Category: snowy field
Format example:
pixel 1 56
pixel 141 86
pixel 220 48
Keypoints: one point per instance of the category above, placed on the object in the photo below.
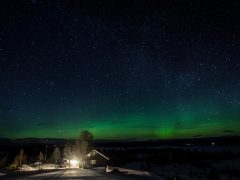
pixel 225 170
pixel 81 174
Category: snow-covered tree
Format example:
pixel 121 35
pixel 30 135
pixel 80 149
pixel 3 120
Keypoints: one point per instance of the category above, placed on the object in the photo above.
pixel 40 157
pixel 20 156
pixel 67 152
pixel 80 148
pixel 56 155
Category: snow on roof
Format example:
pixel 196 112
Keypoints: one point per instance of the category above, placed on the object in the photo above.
pixel 98 153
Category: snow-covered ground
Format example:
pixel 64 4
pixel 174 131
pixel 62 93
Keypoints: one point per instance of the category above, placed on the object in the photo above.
pixel 186 172
pixel 48 166
pixel 2 174
pixel 224 169
pixel 69 174
pixel 26 167
pixel 35 167
pixel 132 170
pixel 128 171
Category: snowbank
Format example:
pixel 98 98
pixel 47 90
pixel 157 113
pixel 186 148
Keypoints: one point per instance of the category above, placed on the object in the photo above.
pixel 26 167
pixel 48 166
pixel 128 171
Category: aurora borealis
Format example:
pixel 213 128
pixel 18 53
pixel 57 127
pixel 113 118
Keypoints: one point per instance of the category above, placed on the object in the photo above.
pixel 120 69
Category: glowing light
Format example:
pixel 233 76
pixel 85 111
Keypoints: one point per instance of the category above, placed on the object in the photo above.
pixel 74 163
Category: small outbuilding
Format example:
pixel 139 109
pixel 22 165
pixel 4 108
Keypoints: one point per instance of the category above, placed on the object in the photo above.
pixel 96 159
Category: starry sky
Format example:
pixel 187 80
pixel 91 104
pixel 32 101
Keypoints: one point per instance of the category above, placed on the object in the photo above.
pixel 120 69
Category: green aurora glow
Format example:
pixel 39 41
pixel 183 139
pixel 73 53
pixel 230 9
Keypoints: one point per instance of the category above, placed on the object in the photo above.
pixel 178 123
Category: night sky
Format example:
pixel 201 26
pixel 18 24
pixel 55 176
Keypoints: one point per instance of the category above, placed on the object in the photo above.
pixel 120 69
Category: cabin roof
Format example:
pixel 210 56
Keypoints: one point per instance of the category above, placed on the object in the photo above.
pixel 98 153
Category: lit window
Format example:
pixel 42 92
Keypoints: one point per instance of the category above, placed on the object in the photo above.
pixel 93 161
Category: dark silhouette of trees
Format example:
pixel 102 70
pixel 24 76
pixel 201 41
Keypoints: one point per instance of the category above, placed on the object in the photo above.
pixel 86 136
pixel 3 161
pixel 213 175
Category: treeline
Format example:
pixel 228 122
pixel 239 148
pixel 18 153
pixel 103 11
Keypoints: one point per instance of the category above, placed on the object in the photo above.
pixel 15 157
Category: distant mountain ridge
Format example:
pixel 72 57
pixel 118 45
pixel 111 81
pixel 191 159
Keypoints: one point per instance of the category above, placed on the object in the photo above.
pixel 222 140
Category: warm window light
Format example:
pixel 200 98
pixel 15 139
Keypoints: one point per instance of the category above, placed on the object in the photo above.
pixel 74 163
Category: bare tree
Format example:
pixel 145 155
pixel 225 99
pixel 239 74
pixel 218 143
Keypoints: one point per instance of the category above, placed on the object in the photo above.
pixel 20 157
pixel 16 161
pixel 56 155
pixel 82 145
pixel 3 161
pixel 79 149
pixel 67 152
pixel 40 158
